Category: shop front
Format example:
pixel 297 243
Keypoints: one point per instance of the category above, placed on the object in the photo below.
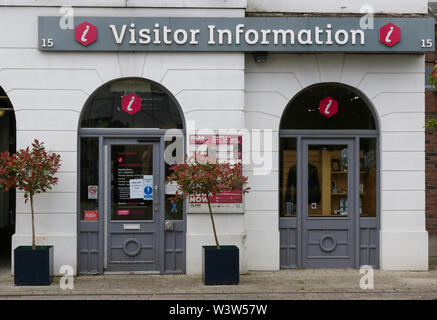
pixel 326 117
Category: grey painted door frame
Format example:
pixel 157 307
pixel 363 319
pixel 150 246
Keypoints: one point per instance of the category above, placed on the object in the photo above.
pixel 98 228
pixel 291 228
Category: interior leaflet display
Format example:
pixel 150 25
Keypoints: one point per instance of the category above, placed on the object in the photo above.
pixel 132 180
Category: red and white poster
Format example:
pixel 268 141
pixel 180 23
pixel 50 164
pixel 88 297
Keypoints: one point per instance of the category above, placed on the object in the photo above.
pixel 222 149
pixel 91 215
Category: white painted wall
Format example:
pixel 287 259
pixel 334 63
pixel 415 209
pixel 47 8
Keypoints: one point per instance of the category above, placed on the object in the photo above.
pixel 295 6
pixel 395 85
pixel 49 90
pixel 129 3
pixel 339 6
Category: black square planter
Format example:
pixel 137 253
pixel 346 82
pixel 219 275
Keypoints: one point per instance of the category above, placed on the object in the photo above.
pixel 33 267
pixel 220 267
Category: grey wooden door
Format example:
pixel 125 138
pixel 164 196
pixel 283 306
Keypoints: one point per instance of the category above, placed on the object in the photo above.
pixel 327 202
pixel 133 208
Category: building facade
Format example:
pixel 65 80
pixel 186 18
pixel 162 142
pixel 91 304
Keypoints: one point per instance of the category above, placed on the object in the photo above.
pixel 333 140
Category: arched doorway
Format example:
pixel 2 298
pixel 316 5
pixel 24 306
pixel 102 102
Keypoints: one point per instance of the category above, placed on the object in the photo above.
pixel 126 221
pixel 7 199
pixel 329 179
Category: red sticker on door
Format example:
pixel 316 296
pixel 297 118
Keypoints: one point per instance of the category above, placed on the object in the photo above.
pixel 328 107
pixel 91 215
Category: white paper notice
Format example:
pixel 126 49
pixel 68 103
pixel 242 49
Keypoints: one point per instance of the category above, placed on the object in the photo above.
pixel 136 188
pixel 148 187
pixel 171 188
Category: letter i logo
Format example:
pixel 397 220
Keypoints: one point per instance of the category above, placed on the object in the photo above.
pixel 87 28
pixel 328 107
pixel 129 106
pixel 131 103
pixel 390 34
pixel 85 33
pixel 387 38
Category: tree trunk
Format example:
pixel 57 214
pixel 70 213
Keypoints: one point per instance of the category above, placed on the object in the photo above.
pixel 213 225
pixel 33 222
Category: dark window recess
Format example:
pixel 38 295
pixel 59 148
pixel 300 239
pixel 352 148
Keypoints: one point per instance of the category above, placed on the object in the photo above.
pixel 302 113
pixel 158 109
pixel 89 179
pixel 288 181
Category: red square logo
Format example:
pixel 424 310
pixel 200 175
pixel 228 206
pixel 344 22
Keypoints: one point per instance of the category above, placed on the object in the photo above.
pixel 328 107
pixel 131 103
pixel 85 33
pixel 390 34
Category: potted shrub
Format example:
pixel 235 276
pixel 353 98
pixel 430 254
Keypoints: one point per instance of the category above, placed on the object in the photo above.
pixel 220 263
pixel 31 171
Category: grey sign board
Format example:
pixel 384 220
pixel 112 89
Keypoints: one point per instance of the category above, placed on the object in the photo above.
pixel 285 34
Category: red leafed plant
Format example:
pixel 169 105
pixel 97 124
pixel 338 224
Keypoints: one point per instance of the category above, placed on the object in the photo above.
pixel 207 179
pixel 29 170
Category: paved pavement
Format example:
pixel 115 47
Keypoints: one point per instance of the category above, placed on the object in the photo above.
pixel 285 284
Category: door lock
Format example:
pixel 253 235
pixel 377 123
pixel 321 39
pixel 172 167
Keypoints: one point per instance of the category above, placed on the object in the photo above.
pixel 169 226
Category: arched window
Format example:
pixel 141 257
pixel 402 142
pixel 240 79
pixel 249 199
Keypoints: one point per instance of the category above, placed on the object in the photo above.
pixel 303 113
pixel 158 108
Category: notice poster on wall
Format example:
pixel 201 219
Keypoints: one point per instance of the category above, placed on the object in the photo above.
pixel 221 149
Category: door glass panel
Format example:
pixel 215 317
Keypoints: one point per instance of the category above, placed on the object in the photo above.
pixel 327 180
pixel 132 182
pixel 173 211
pixel 368 177
pixel 288 177
pixel 89 179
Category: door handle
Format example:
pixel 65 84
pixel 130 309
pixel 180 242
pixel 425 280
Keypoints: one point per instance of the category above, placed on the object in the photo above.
pixel 155 196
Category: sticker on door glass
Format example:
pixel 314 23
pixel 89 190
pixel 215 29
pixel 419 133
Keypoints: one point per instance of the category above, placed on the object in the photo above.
pixel 123 212
pixel 171 188
pixel 92 192
pixel 148 187
pixel 136 188
pixel 91 215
